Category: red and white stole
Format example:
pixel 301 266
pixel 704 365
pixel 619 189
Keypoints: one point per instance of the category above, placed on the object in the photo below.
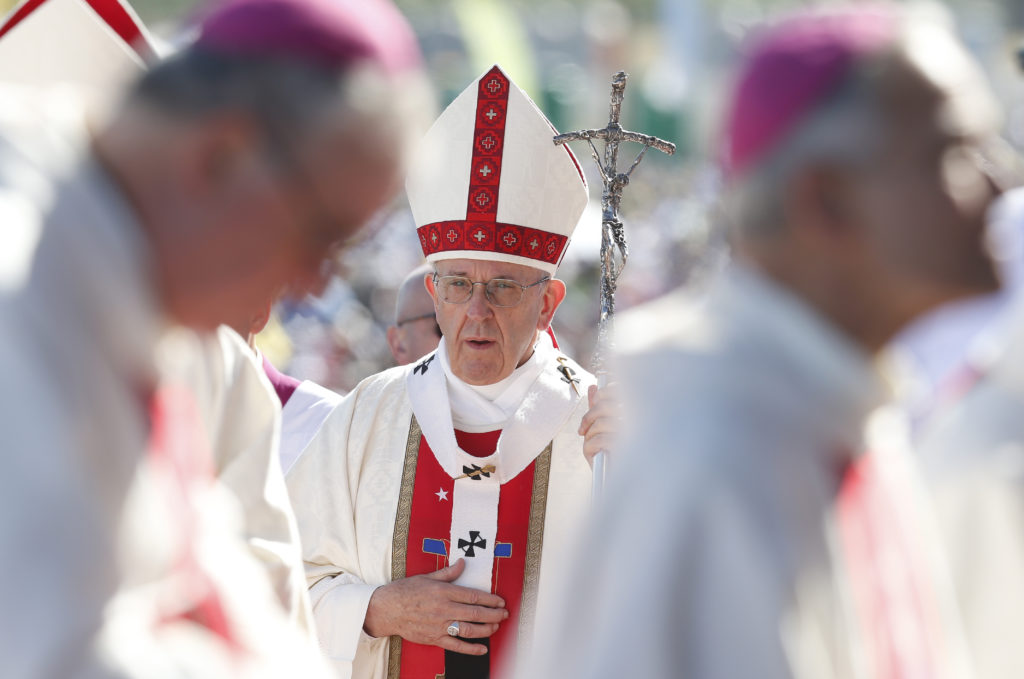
pixel 516 548
pixel 900 593
pixel 481 496
pixel 180 456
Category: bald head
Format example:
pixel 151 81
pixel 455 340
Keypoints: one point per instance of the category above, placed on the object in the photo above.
pixel 415 331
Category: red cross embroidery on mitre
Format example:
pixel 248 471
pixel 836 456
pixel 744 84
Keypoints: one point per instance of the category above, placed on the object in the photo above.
pixel 536 244
pixel 481 230
pixel 488 144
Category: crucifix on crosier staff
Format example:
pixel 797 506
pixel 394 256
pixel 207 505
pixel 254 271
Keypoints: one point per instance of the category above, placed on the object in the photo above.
pixel 614 249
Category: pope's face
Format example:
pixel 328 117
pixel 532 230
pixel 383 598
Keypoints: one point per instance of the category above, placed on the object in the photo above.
pixel 486 343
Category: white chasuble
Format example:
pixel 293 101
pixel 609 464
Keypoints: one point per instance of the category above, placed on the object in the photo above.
pixel 378 499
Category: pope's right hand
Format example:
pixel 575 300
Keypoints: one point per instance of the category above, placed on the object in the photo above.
pixel 420 608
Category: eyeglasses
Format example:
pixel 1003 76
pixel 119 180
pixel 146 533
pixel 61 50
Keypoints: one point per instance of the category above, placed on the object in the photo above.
pixel 421 317
pixel 500 292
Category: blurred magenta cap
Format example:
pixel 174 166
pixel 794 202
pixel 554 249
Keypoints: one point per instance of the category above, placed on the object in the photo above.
pixel 790 67
pixel 332 33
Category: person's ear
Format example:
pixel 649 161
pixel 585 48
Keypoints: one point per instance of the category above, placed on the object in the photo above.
pixel 553 295
pixel 261 318
pixel 817 204
pixel 218 149
pixel 428 281
pixel 395 344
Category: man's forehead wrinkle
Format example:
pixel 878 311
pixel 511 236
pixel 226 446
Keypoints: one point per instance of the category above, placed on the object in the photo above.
pixel 494 269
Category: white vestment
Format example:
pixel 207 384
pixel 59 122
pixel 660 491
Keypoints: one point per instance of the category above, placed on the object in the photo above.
pixel 716 552
pixel 302 417
pixel 111 557
pixel 973 458
pixel 346 486
pixel 242 417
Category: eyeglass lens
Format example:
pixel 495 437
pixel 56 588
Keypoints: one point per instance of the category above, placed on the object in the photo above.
pixel 499 291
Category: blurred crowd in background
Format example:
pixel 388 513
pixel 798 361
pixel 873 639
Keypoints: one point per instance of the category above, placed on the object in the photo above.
pixel 563 53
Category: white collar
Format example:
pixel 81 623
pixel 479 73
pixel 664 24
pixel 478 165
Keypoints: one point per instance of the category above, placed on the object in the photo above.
pixel 489 407
pixel 542 402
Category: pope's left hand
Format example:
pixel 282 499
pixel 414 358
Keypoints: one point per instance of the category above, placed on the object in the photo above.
pixel 601 424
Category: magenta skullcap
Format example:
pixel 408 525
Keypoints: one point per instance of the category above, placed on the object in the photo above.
pixel 332 33
pixel 790 68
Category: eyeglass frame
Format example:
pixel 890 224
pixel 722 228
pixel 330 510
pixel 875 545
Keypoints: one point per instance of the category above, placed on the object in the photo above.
pixel 487 295
pixel 422 317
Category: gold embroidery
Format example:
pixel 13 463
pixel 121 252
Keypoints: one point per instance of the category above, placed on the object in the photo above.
pixel 400 541
pixel 535 541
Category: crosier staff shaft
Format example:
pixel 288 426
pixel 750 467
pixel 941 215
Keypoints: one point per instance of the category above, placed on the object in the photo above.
pixel 614 248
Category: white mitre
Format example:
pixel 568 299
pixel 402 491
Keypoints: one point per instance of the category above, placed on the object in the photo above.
pixel 92 47
pixel 487 181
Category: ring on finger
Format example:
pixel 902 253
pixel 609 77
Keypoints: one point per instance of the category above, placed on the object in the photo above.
pixel 453 629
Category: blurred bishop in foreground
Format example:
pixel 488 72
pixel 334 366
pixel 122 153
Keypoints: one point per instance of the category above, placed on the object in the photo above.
pixel 753 529
pixel 225 173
